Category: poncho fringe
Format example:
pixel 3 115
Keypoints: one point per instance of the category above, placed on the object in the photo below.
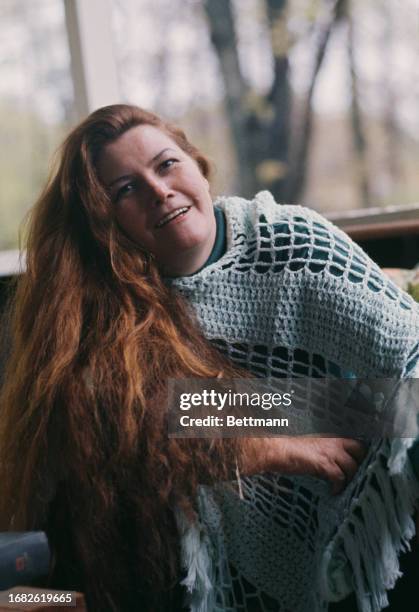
pixel 295 293
pixel 373 552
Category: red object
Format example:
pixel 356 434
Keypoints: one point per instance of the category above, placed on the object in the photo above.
pixel 20 564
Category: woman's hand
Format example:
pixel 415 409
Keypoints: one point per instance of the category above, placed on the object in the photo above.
pixel 333 459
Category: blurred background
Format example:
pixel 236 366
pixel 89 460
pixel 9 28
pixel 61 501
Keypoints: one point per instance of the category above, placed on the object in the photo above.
pixel 316 100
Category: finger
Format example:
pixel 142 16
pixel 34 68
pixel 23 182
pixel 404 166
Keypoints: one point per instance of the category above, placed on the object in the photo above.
pixel 337 479
pixel 355 448
pixel 349 467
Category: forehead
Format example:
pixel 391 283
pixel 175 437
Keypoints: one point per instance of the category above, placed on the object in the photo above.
pixel 138 145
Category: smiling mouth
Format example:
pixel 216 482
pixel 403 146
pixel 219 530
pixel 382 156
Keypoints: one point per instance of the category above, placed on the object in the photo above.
pixel 172 215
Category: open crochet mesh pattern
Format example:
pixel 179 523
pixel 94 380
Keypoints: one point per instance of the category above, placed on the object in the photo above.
pixel 294 296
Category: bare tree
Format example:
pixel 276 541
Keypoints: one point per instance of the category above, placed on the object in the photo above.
pixel 358 131
pixel 389 97
pixel 223 38
pixel 270 153
pixel 260 127
pixel 302 137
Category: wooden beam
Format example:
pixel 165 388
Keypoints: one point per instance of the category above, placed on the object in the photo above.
pixel 93 63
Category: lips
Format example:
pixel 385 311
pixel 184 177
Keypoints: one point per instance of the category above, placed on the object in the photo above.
pixel 171 215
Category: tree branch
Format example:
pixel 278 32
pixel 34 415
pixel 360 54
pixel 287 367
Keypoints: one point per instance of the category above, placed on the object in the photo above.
pixel 358 135
pixel 297 177
pixel 223 38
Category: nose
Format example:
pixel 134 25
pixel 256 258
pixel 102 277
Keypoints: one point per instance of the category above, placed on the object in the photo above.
pixel 159 189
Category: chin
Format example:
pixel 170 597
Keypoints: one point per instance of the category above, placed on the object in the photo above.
pixel 189 239
pixel 177 247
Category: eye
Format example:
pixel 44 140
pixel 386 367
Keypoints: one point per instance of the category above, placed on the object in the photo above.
pixel 167 163
pixel 124 190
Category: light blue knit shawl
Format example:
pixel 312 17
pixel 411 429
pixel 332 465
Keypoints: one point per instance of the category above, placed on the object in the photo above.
pixel 292 296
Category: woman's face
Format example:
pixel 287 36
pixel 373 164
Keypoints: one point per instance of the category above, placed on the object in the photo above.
pixel 162 201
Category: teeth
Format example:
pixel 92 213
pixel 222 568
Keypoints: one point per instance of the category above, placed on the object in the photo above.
pixel 171 216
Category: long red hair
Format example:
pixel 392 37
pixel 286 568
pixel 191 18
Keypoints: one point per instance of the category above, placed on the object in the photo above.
pixel 84 451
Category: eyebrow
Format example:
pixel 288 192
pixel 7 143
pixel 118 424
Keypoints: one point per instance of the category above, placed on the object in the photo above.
pixel 129 176
pixel 156 157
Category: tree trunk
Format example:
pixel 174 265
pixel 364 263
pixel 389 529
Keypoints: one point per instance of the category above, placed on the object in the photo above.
pixel 223 38
pixel 261 134
pixel 358 135
pixel 393 140
pixel 279 99
pixel 297 178
pixel 259 130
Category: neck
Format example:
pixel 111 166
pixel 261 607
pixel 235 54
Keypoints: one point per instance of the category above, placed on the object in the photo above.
pixel 190 261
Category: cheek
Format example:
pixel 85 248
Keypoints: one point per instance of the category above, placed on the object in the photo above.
pixel 195 182
pixel 133 222
pixel 202 193
pixel 126 215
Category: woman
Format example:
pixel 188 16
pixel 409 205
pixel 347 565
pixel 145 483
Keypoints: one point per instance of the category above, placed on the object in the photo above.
pixel 121 243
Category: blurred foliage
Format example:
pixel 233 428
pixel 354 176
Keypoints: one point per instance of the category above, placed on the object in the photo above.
pixel 323 91
pixel 35 103
pixel 408 280
pixel 26 142
pixel 350 130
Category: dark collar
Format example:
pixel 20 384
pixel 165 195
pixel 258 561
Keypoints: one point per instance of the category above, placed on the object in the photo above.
pixel 220 244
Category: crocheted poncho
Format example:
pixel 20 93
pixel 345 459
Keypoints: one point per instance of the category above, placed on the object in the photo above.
pixel 294 296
